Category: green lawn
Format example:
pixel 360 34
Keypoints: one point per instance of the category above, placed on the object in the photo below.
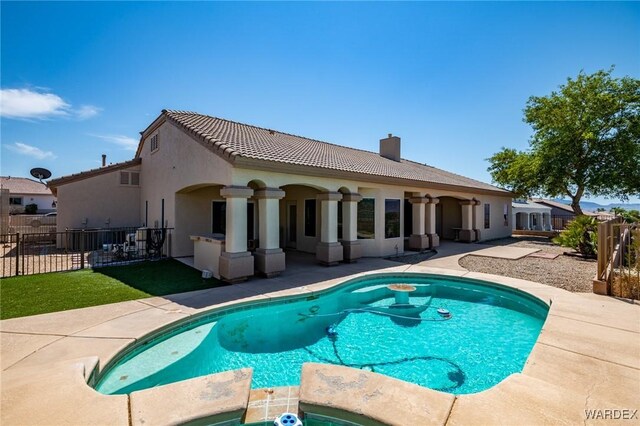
pixel 59 291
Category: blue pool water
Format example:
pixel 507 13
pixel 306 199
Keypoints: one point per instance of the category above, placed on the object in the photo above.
pixel 489 336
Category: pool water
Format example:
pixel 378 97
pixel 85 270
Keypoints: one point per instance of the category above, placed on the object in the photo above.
pixel 489 336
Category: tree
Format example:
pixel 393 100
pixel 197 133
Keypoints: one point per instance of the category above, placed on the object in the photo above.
pixel 586 142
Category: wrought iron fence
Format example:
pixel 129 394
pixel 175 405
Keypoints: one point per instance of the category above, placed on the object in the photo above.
pixel 619 258
pixel 32 223
pixel 41 252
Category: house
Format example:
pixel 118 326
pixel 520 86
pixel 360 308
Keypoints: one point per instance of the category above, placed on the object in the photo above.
pixel 253 187
pixel 529 215
pixel 25 191
pixel 561 214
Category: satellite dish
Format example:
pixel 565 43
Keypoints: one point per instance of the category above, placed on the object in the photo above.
pixel 40 173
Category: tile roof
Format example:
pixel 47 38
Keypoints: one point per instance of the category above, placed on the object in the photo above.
pixel 54 183
pixel 232 139
pixel 20 185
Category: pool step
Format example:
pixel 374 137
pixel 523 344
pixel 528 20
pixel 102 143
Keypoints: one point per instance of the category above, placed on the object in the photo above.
pixel 268 403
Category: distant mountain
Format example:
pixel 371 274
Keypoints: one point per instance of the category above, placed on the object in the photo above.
pixel 590 206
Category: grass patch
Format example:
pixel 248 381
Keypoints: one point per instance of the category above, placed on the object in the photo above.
pixel 60 291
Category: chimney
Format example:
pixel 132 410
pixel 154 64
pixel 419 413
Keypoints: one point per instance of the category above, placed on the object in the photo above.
pixel 104 160
pixel 390 147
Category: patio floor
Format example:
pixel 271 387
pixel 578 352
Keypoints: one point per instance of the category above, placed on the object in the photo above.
pixel 587 355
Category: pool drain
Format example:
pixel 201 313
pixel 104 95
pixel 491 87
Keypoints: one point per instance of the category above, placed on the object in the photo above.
pixel 287 419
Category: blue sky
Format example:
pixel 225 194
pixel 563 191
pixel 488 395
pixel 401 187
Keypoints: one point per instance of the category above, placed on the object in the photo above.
pixel 451 79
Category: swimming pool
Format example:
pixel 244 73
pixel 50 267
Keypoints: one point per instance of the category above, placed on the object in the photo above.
pixel 487 335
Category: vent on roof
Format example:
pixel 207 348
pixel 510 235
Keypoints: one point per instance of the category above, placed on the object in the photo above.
pixel 390 147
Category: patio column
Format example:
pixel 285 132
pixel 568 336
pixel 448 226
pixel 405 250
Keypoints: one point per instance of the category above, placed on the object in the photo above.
pixel 467 234
pixel 418 240
pixel 329 251
pixel 236 263
pixel 529 221
pixel 270 259
pixel 352 250
pixel 474 213
pixel 434 239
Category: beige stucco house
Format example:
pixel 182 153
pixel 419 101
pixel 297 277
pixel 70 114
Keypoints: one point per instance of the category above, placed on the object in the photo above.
pixel 25 191
pixel 255 192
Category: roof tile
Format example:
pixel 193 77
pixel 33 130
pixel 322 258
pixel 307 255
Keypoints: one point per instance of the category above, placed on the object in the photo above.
pixel 243 140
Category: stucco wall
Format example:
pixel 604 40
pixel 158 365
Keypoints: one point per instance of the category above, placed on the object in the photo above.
pixel 498 228
pixel 193 217
pixel 298 195
pixel 180 163
pixel 101 200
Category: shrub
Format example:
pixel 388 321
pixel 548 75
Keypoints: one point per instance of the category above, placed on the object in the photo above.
pixel 31 209
pixel 581 235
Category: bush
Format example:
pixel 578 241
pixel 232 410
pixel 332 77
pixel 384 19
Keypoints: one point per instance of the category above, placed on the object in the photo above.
pixel 581 235
pixel 31 209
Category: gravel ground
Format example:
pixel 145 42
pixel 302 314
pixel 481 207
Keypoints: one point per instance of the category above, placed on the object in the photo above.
pixel 566 272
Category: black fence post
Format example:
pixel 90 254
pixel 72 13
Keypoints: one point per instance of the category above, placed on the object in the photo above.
pixel 17 253
pixel 82 235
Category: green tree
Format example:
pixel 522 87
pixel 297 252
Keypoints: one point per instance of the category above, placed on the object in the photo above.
pixel 586 142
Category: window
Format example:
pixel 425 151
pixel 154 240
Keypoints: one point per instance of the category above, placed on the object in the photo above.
pixel 15 201
pixel 340 220
pixel 219 217
pixel 505 211
pixel 391 218
pixel 130 178
pixel 408 218
pixel 154 142
pixel 250 221
pixel 487 216
pixel 135 178
pixel 366 219
pixel 309 218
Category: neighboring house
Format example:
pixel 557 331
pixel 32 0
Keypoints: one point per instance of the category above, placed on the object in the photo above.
pixel 529 215
pixel 24 191
pixel 561 214
pixel 203 175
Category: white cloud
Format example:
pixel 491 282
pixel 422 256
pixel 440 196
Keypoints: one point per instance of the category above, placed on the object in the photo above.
pixel 24 103
pixel 130 144
pixel 87 111
pixel 31 151
pixel 31 104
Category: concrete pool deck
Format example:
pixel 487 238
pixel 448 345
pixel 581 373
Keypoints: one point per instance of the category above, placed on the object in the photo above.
pixel 587 357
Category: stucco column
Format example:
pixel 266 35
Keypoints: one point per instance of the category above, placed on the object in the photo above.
pixel 476 228
pixel 434 239
pixel 236 263
pixel 418 240
pixel 528 221
pixel 467 234
pixel 329 251
pixel 350 244
pixel 270 259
